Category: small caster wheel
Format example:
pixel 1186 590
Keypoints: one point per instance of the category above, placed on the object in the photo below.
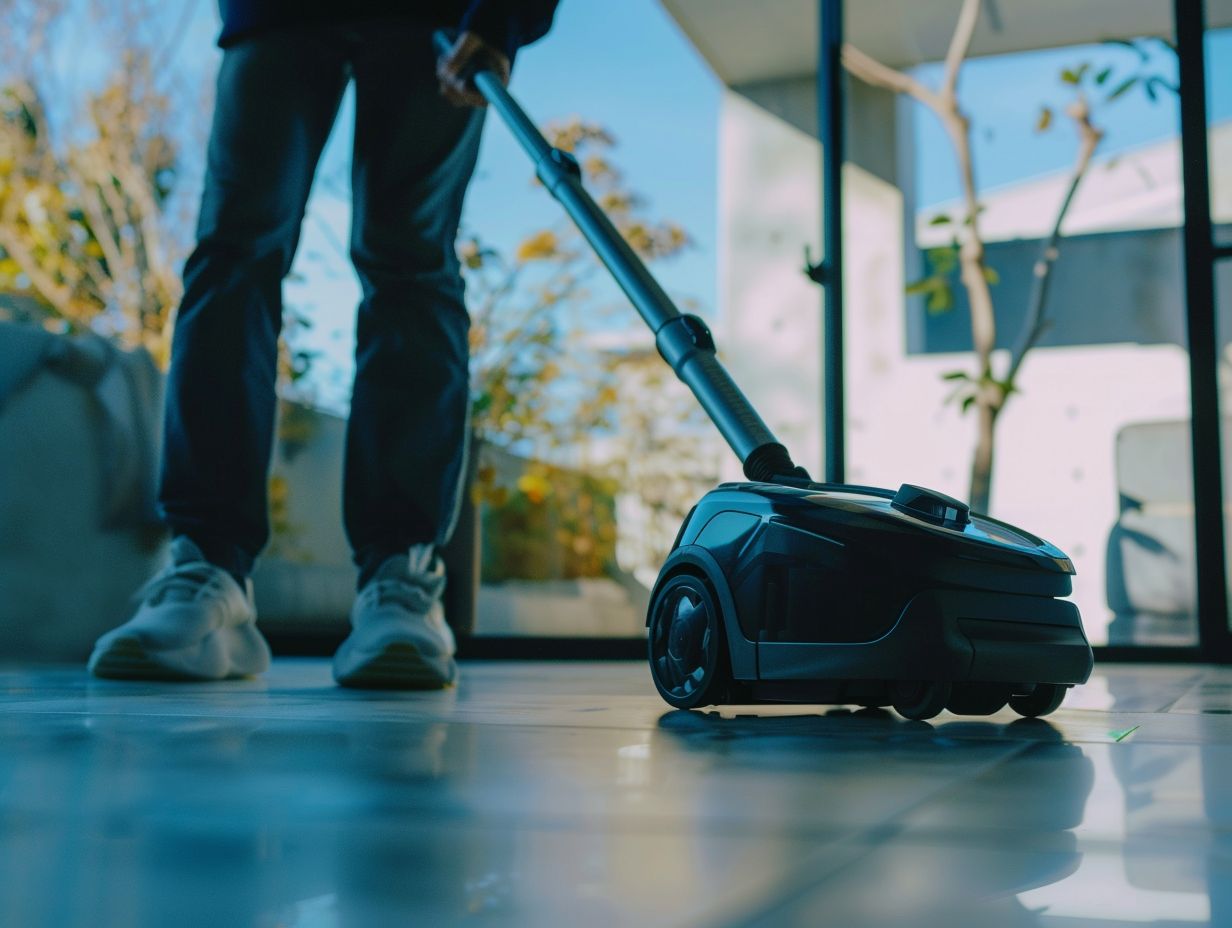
pixel 688 649
pixel 920 700
pixel 1046 698
pixel 977 698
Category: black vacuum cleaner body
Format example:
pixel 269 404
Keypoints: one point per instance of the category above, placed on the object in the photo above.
pixel 782 589
pixel 806 592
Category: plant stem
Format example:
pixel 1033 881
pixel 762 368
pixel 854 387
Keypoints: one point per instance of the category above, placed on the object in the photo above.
pixel 1035 323
pixel 989 395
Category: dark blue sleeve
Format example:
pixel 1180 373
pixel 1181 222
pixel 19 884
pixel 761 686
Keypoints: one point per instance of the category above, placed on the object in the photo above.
pixel 509 24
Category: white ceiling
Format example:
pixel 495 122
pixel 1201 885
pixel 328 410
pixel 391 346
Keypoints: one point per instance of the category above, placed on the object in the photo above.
pixel 754 40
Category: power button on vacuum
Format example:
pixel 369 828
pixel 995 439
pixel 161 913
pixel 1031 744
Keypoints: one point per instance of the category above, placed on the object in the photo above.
pixel 931 506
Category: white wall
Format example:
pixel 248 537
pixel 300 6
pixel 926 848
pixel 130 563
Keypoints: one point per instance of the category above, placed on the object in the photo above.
pixel 770 331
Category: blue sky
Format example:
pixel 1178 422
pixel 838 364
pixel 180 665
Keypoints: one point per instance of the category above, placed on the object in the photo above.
pixel 1006 146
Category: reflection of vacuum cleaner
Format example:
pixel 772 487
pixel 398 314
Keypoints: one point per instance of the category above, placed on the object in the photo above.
pixel 1015 818
pixel 782 589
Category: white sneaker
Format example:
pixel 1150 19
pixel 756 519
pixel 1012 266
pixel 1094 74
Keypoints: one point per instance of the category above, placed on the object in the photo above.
pixel 399 639
pixel 194 623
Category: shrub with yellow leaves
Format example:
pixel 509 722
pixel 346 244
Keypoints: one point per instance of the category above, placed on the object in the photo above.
pixel 86 242
pixel 93 219
pixel 540 391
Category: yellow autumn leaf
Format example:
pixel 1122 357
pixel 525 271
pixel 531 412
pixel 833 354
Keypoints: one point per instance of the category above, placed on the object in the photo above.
pixel 596 167
pixel 534 487
pixel 538 247
pixel 470 254
pixel 615 202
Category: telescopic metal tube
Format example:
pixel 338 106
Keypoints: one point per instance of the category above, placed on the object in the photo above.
pixel 682 340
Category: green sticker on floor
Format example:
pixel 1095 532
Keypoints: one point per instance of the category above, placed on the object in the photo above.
pixel 1122 733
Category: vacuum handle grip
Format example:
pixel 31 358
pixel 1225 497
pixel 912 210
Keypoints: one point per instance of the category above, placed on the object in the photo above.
pixel 488 84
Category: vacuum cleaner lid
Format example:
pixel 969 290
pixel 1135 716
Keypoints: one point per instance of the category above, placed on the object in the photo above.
pixel 919 523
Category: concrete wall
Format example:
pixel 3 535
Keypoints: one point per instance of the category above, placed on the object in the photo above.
pixel 64 577
pixel 770 313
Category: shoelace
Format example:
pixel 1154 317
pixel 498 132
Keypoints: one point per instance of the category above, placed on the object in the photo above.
pixel 183 582
pixel 413 596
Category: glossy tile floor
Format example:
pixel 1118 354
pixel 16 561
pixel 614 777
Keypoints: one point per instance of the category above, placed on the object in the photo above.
pixel 554 794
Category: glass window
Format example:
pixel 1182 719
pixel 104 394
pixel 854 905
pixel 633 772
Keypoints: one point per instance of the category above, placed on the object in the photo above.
pixel 1223 310
pixel 1219 114
pixel 1074 422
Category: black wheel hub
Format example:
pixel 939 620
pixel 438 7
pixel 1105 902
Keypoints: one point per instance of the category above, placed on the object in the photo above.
pixel 682 643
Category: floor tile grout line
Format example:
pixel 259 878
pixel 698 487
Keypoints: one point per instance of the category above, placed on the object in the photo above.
pixel 1199 679
pixel 874 735
pixel 14 711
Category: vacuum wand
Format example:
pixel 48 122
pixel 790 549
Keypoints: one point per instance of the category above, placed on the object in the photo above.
pixel 683 340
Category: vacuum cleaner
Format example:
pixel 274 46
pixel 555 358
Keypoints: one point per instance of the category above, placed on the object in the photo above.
pixel 781 589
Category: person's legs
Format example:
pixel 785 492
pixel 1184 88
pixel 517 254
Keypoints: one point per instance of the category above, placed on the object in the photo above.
pixel 406 439
pixel 277 98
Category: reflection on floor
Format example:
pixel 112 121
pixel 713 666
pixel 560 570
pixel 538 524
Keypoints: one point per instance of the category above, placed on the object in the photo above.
pixel 556 794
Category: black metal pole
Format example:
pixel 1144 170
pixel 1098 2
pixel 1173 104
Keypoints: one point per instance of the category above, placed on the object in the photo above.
pixel 1198 235
pixel 683 340
pixel 830 132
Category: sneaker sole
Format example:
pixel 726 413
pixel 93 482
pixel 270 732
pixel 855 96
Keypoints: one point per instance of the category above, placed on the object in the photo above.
pixel 127 659
pixel 400 666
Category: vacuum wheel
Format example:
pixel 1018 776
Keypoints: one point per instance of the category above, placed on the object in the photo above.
pixel 1046 698
pixel 920 700
pixel 687 648
pixel 977 698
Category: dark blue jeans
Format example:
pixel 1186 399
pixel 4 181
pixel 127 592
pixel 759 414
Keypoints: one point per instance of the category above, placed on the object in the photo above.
pixel 414 154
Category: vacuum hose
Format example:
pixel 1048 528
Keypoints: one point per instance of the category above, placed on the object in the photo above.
pixel 684 341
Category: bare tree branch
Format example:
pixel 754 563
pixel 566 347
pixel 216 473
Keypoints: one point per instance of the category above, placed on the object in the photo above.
pixel 96 213
pixel 960 44
pixel 990 395
pixel 871 71
pixel 1036 323
pixel 56 293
